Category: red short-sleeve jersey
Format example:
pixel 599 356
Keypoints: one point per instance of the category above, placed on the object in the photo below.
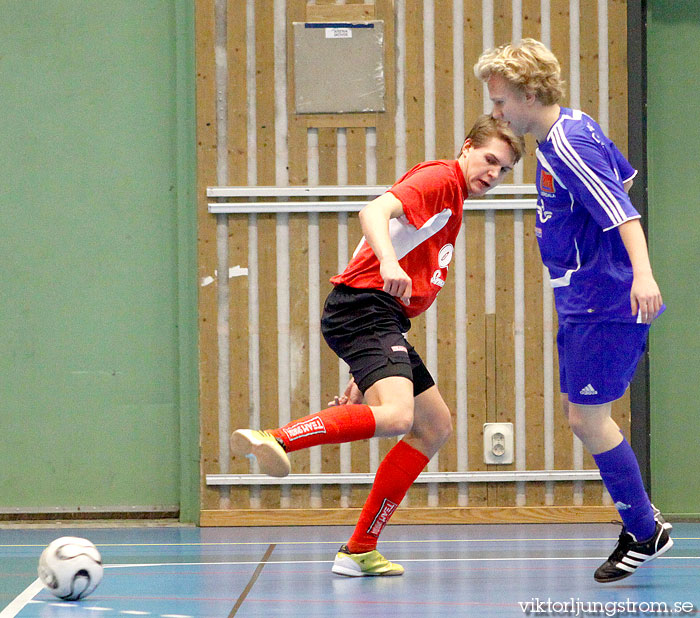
pixel 432 194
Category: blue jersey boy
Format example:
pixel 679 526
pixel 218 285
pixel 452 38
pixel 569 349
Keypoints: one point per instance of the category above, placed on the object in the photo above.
pixel 594 247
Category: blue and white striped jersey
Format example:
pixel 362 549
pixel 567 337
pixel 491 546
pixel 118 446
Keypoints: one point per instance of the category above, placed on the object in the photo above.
pixel 581 202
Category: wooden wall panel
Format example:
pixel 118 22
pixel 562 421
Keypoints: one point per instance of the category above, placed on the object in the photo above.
pixel 534 328
pixel 238 238
pixel 206 247
pixel 473 229
pixel 563 454
pixel 476 350
pixel 490 338
pixel 386 130
pixel 445 149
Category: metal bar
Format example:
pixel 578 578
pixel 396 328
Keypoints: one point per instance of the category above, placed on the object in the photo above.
pixel 222 255
pixel 298 191
pixel 314 264
pixel 640 402
pixel 350 206
pixel 575 102
pixel 461 421
pixel 426 477
pixel 342 191
pixel 429 143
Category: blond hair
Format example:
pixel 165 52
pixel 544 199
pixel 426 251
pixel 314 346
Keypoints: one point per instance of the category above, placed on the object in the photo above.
pixel 529 66
pixel 487 127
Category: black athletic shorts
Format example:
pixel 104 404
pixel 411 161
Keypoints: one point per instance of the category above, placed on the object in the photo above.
pixel 366 329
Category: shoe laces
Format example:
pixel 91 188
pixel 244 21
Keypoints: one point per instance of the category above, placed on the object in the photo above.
pixel 623 542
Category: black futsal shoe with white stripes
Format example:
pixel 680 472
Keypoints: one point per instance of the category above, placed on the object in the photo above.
pixel 629 554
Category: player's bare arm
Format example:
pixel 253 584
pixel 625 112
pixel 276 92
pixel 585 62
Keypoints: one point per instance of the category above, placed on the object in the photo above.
pixel 374 219
pixel 645 297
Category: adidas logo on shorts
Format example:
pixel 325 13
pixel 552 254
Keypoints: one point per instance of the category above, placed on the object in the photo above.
pixel 588 390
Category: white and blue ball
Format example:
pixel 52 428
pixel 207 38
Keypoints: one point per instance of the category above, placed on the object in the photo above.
pixel 70 568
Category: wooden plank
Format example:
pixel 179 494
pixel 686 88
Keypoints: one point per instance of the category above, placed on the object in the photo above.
pixel 267 258
pixel 617 80
pixel 503 494
pixel 534 359
pixel 444 81
pixel 500 377
pixel 339 12
pixel 534 375
pixel 356 175
pixel 426 515
pixel 237 164
pixel 206 248
pixel 532 19
pixel 351 119
pixel 588 42
pixel 414 87
pixel 386 133
pixel 297 128
pixel 445 149
pixel 563 451
pixel 474 238
pixel 328 224
pixel 476 350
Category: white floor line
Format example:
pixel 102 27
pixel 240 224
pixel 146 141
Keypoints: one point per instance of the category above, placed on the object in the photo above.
pixel 20 601
pixel 271 562
pixel 244 543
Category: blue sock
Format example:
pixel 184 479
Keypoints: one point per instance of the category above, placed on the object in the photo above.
pixel 620 473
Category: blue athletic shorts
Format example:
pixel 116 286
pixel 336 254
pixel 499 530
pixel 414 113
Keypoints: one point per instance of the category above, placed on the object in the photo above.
pixel 597 360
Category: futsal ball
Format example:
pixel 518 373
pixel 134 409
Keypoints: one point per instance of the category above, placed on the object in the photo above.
pixel 70 567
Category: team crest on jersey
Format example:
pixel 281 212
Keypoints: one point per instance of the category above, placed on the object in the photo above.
pixel 445 255
pixel 546 182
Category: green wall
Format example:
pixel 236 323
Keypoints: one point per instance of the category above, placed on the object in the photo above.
pixel 673 51
pixel 97 386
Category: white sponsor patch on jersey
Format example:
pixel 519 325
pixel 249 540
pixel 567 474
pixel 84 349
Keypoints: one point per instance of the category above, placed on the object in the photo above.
pixel 445 255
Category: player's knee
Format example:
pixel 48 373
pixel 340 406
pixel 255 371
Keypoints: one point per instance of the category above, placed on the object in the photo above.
pixel 394 419
pixel 402 420
pixel 443 425
pixel 579 424
pixel 434 428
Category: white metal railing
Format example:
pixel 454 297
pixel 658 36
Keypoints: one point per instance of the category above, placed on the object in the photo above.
pixel 359 478
pixel 315 194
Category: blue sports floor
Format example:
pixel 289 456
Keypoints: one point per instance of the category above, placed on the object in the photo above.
pixel 451 570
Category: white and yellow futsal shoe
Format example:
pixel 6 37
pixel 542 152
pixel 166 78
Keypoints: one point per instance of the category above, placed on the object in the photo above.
pixel 264 446
pixel 368 564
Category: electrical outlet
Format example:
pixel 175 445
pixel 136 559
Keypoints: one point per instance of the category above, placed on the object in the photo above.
pixel 498 443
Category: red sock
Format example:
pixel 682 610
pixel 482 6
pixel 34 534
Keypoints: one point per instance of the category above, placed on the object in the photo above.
pixel 330 426
pixel 395 475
